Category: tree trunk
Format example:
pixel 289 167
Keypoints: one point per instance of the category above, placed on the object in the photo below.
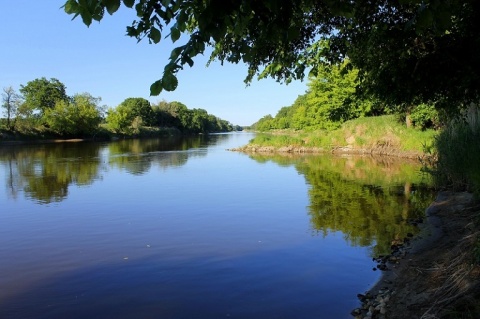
pixel 408 119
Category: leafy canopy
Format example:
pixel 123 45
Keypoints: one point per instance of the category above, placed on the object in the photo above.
pixel 130 115
pixel 406 50
pixel 331 100
pixel 41 94
pixel 80 116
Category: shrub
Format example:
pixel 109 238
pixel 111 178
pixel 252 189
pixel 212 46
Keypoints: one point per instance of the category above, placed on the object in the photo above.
pixel 457 150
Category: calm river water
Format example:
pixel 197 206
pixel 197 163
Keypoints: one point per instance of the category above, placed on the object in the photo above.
pixel 183 228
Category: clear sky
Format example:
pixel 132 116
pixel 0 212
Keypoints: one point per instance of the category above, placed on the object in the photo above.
pixel 38 39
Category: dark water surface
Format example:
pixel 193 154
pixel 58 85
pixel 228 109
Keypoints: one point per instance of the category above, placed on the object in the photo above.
pixel 183 228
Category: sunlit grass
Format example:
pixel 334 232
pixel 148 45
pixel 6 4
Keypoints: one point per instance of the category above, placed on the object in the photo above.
pixel 362 133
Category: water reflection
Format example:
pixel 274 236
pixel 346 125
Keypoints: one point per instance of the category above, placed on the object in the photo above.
pixel 370 200
pixel 163 229
pixel 45 172
pixel 138 156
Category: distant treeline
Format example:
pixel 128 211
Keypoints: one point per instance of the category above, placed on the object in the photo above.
pixel 42 108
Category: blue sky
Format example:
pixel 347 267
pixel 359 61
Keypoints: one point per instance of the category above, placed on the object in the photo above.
pixel 39 40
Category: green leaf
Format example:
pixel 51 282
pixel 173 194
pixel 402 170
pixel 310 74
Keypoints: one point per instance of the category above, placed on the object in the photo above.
pixel 132 32
pixel 86 17
pixel 171 67
pixel 176 52
pixel 156 88
pixel 175 35
pixel 189 61
pixel 112 5
pixel 71 6
pixel 155 35
pixel 169 81
pixel 98 13
pixel 129 3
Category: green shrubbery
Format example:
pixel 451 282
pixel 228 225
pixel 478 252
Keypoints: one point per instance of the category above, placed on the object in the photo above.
pixel 457 154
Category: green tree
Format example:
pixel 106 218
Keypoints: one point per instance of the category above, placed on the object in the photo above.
pixel 10 102
pixel 163 117
pixel 119 121
pixel 264 124
pixel 140 107
pixel 407 51
pixel 425 116
pixel 331 99
pixel 78 117
pixel 130 116
pixel 41 94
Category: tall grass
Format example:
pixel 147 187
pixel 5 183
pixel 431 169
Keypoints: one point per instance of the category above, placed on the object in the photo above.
pixel 457 150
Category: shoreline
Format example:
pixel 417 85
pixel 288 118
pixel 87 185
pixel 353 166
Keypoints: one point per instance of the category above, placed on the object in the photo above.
pixel 432 275
pixel 302 150
pixel 47 141
pixel 435 274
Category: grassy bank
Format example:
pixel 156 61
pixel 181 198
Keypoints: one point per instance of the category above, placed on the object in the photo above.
pixel 382 134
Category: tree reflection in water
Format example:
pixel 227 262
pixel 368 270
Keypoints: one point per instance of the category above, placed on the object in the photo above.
pixel 370 200
pixel 45 172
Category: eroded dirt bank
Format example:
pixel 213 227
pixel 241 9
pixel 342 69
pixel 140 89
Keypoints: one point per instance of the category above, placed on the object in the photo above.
pixel 377 151
pixel 437 274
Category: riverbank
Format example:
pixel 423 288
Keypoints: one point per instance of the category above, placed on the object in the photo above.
pixel 292 149
pixel 437 273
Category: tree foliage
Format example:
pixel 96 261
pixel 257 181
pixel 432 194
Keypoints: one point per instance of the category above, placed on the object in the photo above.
pixel 130 116
pixel 78 117
pixel 41 94
pixel 46 110
pixel 406 51
pixel 133 113
pixel 189 121
pixel 330 100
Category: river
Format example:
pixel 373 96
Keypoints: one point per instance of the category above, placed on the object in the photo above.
pixel 184 228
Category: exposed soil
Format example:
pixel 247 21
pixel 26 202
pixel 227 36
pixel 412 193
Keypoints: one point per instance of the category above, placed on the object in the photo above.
pixel 384 150
pixel 438 273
